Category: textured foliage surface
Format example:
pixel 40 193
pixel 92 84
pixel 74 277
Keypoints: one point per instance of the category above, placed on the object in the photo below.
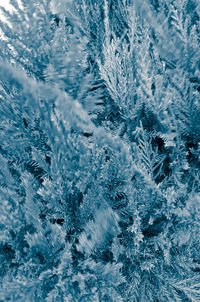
pixel 100 151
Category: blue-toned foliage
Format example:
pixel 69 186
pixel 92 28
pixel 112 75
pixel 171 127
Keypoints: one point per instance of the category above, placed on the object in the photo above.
pixel 100 151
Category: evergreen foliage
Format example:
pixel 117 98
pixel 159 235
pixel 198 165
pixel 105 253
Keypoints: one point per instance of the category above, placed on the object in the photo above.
pixel 100 151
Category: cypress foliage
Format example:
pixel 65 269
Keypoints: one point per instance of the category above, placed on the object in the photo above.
pixel 100 151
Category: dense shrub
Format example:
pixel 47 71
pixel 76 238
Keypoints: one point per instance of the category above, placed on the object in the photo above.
pixel 100 151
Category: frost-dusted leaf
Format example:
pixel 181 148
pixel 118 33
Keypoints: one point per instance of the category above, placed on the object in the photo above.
pixel 190 287
pixel 148 157
pixel 31 208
